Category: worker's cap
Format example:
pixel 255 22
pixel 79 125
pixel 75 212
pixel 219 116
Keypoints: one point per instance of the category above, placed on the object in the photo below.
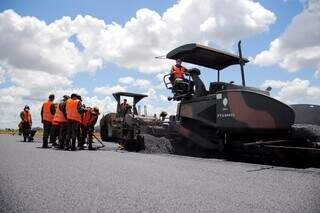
pixel 26 107
pixel 51 96
pixel 96 110
pixel 124 99
pixel 178 61
pixel 65 97
pixel 74 95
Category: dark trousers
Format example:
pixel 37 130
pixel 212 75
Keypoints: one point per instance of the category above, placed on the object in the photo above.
pixel 62 135
pixel 72 133
pixel 87 133
pixel 46 133
pixel 54 134
pixel 90 130
pixel 83 136
pixel 26 130
pixel 80 136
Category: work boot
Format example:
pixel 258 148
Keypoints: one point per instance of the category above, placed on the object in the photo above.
pixel 61 145
pixel 90 146
pixel 73 145
pixel 67 145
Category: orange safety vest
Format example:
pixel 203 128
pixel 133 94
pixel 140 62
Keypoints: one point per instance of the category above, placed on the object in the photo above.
pixel 86 117
pixel 59 116
pixel 178 72
pixel 72 110
pixel 47 116
pixel 27 116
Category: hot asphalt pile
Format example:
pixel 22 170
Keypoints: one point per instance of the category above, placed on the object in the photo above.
pixel 157 145
pixel 303 131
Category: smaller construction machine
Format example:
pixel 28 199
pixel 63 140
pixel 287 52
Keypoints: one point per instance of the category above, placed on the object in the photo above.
pixel 123 127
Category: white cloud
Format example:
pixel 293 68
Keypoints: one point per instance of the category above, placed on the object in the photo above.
pixel 107 90
pixel 142 83
pixel 152 109
pixel 163 98
pixel 149 34
pixel 2 75
pixel 126 80
pixel 31 44
pixel 299 46
pixel 295 91
pixel 105 105
pixel 35 45
pixel 152 94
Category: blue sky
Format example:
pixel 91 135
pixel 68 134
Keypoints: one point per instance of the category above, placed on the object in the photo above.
pixel 273 20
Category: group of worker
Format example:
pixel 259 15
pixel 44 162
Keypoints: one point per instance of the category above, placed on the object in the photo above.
pixel 68 121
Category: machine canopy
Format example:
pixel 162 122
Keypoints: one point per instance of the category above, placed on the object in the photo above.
pixel 137 97
pixel 205 56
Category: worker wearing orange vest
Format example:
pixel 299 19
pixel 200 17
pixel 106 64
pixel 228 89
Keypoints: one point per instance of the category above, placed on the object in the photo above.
pixel 178 71
pixel 55 128
pixel 60 117
pixel 89 119
pixel 26 124
pixel 83 129
pixel 47 113
pixel 73 110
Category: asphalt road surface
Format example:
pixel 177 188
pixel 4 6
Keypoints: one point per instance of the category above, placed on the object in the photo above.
pixel 47 180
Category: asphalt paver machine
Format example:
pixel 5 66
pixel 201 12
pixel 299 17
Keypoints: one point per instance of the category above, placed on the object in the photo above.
pixel 227 115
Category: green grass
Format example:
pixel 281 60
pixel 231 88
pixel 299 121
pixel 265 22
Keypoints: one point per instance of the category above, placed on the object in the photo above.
pixel 39 132
pixel 16 131
pixel 9 131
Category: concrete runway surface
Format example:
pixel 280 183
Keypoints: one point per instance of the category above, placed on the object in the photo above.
pixel 47 180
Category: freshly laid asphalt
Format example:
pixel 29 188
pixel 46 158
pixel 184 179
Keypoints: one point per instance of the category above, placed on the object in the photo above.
pixel 47 180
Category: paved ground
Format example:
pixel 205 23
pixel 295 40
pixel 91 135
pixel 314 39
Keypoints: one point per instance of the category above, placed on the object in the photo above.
pixel 46 180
